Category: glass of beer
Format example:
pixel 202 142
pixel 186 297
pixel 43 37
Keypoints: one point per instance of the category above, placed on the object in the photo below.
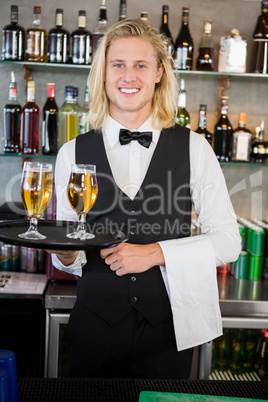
pixel 82 191
pixel 35 190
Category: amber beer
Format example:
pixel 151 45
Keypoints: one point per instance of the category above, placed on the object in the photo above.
pixel 82 191
pixel 36 190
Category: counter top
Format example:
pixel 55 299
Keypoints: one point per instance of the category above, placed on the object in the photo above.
pixel 238 297
pixel 22 285
pixel 128 390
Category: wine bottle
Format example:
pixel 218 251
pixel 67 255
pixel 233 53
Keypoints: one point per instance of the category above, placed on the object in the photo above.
pixel 184 46
pixel 259 147
pixel 50 123
pixel 202 125
pixel 164 29
pixel 241 140
pixel 84 124
pixel 100 29
pixel 183 117
pixel 263 364
pixel 13 38
pixel 58 41
pixel 259 60
pixel 122 10
pixel 36 39
pixel 206 59
pixel 68 118
pixel 30 122
pixel 12 117
pixel 223 133
pixel 81 41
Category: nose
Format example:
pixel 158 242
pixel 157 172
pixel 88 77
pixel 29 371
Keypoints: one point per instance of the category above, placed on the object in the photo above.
pixel 129 74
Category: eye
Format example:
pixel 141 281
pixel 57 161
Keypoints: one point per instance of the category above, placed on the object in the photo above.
pixel 141 66
pixel 118 65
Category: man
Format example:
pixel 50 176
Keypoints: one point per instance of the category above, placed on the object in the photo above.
pixel 143 305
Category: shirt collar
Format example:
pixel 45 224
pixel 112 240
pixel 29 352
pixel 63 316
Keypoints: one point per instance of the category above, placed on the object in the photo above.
pixel 112 128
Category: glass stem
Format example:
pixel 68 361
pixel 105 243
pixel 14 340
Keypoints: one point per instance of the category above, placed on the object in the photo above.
pixel 81 227
pixel 33 225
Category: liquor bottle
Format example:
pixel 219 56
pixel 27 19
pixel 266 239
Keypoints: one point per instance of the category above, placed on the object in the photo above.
pixel 50 122
pixel 75 97
pixel 13 38
pixel 164 29
pixel 263 365
pixel 206 59
pixel 30 122
pixel 68 118
pixel 237 356
pixel 122 10
pixel 223 133
pixel 202 125
pixel 259 147
pixel 58 41
pixel 12 116
pixel 259 59
pixel 184 46
pixel 36 39
pixel 84 125
pixel 100 29
pixel 241 140
pixel 144 16
pixel 81 42
pixel 183 117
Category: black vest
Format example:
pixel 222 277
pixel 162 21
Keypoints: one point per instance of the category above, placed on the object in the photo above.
pixel 161 210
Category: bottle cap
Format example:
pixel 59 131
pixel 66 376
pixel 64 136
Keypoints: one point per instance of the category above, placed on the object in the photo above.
pixel 59 11
pixel 144 16
pixel 165 8
pixel 14 8
pixel 182 85
pixel 242 117
pixel 207 26
pixel 37 9
pixel 12 77
pixel 82 13
pixel 69 91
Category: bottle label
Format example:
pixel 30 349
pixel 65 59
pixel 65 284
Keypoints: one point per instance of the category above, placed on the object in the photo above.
pixel 182 100
pixel 82 21
pixel 30 94
pixel 13 93
pixel 33 43
pixel 59 19
pixel 242 148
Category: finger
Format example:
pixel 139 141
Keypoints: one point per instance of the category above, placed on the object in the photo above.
pixel 107 251
pixel 115 266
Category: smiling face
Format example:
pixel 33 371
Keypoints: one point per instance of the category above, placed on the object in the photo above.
pixel 131 75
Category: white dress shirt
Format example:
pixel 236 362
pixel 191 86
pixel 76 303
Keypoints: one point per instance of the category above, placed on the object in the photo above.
pixel 190 263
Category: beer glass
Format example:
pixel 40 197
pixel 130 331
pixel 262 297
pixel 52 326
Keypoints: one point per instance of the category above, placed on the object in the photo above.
pixel 82 191
pixel 35 190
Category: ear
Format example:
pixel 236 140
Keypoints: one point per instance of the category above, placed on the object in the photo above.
pixel 159 73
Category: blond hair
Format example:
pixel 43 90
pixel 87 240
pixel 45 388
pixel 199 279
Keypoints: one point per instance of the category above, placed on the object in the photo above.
pixel 164 102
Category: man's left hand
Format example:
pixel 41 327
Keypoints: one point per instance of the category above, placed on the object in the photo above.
pixel 127 258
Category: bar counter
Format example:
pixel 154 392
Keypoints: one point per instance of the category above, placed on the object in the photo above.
pixel 128 390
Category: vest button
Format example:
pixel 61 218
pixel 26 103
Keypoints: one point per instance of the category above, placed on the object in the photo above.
pixel 134 299
pixel 132 210
pixel 133 278
pixel 132 231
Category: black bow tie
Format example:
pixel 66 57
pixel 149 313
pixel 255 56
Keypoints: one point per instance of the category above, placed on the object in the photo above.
pixel 144 138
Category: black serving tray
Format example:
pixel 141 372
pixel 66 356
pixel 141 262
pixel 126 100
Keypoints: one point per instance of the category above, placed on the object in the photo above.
pixel 55 232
